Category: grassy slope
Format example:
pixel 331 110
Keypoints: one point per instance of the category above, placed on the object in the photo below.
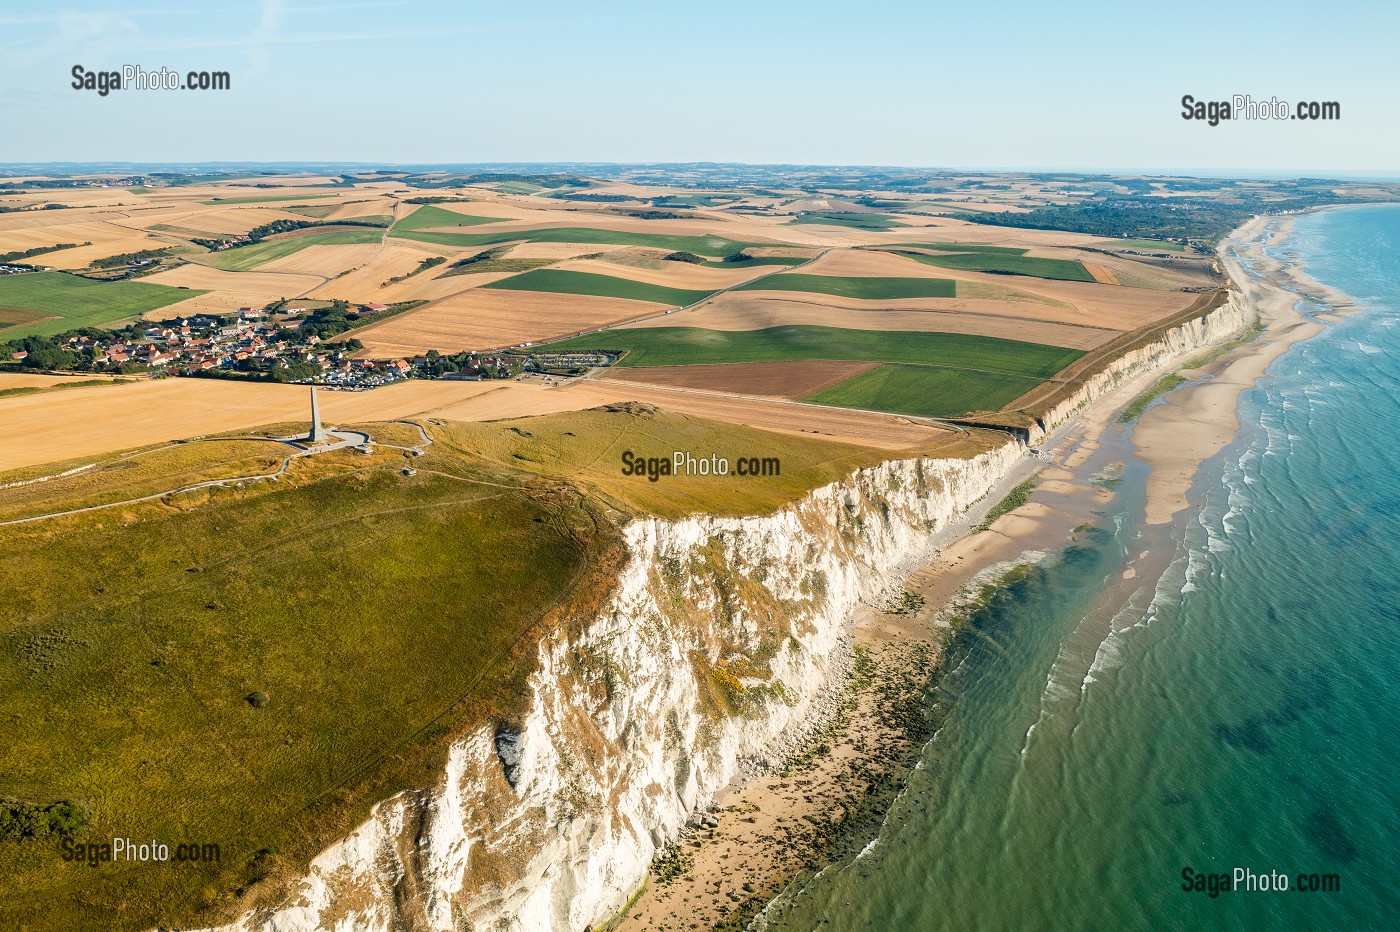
pixel 1062 269
pixel 138 474
pixel 250 257
pixel 80 302
pixel 679 346
pixel 346 598
pixel 380 613
pixel 586 447
pixel 925 390
pixel 562 281
pixel 873 288
pixel 700 245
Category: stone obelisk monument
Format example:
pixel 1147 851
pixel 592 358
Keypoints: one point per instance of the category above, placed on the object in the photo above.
pixel 318 433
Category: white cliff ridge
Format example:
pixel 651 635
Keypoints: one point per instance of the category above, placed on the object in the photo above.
pixel 710 654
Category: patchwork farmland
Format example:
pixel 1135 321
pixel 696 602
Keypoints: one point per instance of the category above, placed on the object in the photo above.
pixel 782 295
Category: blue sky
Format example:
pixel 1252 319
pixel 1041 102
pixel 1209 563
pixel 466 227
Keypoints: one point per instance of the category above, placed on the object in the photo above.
pixel 1009 85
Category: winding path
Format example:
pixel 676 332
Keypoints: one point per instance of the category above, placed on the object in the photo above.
pixel 347 438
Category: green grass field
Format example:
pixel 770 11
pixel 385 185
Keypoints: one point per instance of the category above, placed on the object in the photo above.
pixel 856 221
pixel 700 245
pixel 250 257
pixel 681 346
pixel 562 281
pixel 78 302
pixel 262 200
pixel 1144 245
pixel 925 391
pixel 1061 269
pixel 429 216
pixel 961 247
pixel 869 289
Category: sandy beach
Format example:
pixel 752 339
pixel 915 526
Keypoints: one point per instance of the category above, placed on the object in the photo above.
pixel 761 835
pixel 1198 420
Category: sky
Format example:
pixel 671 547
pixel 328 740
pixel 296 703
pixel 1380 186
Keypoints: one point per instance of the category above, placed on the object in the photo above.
pixel 1089 86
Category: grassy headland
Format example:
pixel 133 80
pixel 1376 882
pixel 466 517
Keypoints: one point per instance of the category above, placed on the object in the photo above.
pixel 255 666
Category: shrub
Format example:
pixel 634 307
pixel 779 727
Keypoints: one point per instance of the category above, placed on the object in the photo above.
pixel 20 821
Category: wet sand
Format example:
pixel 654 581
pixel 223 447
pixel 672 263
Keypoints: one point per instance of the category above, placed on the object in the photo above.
pixel 1197 421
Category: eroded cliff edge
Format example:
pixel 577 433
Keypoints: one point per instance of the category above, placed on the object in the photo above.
pixel 713 648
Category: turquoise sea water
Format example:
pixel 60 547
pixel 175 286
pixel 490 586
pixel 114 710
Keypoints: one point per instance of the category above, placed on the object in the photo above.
pixel 1242 709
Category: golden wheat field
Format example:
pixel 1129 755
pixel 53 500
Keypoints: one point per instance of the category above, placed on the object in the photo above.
pixel 228 291
pixel 490 319
pixel 100 419
pixel 326 261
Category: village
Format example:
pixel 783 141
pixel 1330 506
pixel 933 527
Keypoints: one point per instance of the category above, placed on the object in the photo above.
pixel 281 343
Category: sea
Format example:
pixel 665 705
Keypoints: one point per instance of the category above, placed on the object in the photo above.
pixel 1215 744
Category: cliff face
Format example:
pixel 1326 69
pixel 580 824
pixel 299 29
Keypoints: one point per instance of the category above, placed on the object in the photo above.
pixel 715 645
pixel 710 655
pixel 1231 318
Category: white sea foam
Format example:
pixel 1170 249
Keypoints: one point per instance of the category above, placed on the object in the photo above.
pixel 1196 564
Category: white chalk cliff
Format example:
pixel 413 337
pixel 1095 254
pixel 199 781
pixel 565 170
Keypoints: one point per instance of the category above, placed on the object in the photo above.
pixel 710 653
